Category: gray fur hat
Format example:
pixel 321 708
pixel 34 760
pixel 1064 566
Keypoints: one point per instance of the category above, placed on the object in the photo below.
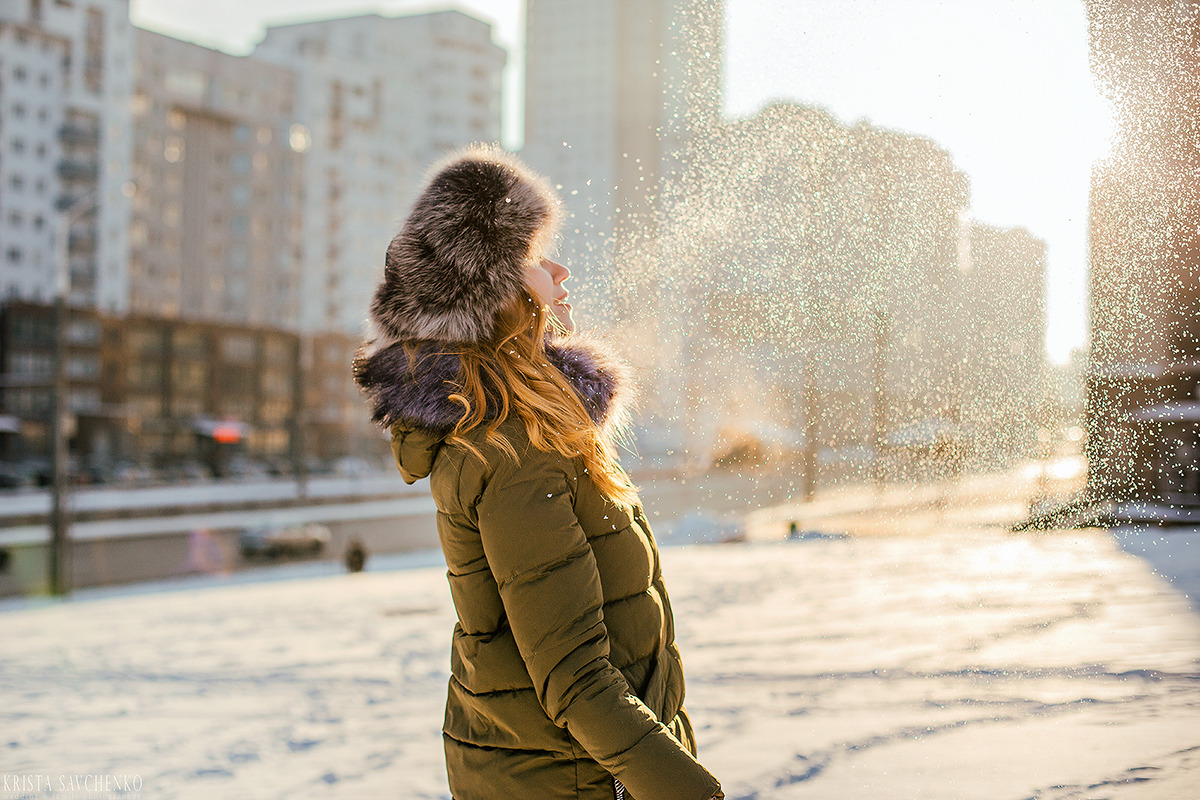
pixel 463 252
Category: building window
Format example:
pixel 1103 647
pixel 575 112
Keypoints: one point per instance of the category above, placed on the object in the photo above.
pixel 16 183
pixel 144 375
pixel 238 348
pixel 147 344
pixel 18 146
pixel 192 344
pixel 84 400
pixel 34 332
pixel 18 110
pixel 14 219
pixel 19 74
pixel 27 362
pixel 83 367
pixel 188 406
pixel 14 255
pixel 83 332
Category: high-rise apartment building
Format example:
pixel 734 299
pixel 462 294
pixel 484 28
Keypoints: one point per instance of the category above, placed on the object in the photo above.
pixel 845 295
pixel 215 229
pixel 31 107
pixel 1000 332
pixel 65 146
pixel 379 100
pixel 616 92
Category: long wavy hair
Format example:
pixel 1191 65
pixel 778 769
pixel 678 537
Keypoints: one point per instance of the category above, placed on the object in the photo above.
pixel 510 374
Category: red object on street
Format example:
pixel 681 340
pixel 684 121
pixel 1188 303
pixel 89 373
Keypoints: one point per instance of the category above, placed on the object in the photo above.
pixel 227 434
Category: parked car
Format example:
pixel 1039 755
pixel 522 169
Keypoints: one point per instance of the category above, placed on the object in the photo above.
pixel 273 541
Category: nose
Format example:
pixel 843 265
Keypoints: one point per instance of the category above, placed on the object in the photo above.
pixel 558 272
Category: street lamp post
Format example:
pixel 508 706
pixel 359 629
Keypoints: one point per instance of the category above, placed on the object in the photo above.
pixel 59 523
pixel 299 433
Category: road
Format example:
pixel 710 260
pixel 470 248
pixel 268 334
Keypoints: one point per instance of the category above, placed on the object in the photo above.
pixel 954 663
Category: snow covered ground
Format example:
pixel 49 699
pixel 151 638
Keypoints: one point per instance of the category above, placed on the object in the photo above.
pixel 964 664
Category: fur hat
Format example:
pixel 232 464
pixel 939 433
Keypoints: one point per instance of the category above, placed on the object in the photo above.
pixel 464 249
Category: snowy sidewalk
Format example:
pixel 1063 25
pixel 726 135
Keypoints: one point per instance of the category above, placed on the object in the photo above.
pixel 958 665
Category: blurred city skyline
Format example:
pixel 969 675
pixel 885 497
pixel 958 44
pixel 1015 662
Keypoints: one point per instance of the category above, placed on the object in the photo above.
pixel 1005 87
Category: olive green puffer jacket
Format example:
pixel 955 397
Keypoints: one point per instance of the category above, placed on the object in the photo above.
pixel 564 670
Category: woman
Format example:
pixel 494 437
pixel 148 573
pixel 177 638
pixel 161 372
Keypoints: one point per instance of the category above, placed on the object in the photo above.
pixel 565 679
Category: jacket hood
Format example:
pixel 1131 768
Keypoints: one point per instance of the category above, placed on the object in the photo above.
pixel 416 391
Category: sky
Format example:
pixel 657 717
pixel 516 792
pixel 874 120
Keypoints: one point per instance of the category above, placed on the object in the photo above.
pixel 1003 85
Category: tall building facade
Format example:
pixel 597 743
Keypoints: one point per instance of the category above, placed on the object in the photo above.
pixel 65 146
pixel 31 107
pixel 818 294
pixel 1143 379
pixel 379 99
pixel 616 93
pixel 1003 384
pixel 217 189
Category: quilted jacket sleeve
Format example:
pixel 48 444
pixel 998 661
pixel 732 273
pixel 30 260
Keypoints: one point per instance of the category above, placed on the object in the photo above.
pixel 550 587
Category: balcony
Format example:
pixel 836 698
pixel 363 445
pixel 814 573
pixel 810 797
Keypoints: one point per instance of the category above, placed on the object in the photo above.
pixel 75 169
pixel 82 241
pixel 65 201
pixel 71 133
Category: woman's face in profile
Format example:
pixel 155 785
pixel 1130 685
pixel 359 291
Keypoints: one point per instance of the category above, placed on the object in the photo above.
pixel 545 280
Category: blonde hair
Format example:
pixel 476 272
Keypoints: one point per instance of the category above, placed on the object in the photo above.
pixel 510 374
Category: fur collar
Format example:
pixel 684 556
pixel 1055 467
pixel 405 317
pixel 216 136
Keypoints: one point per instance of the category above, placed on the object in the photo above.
pixel 417 392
